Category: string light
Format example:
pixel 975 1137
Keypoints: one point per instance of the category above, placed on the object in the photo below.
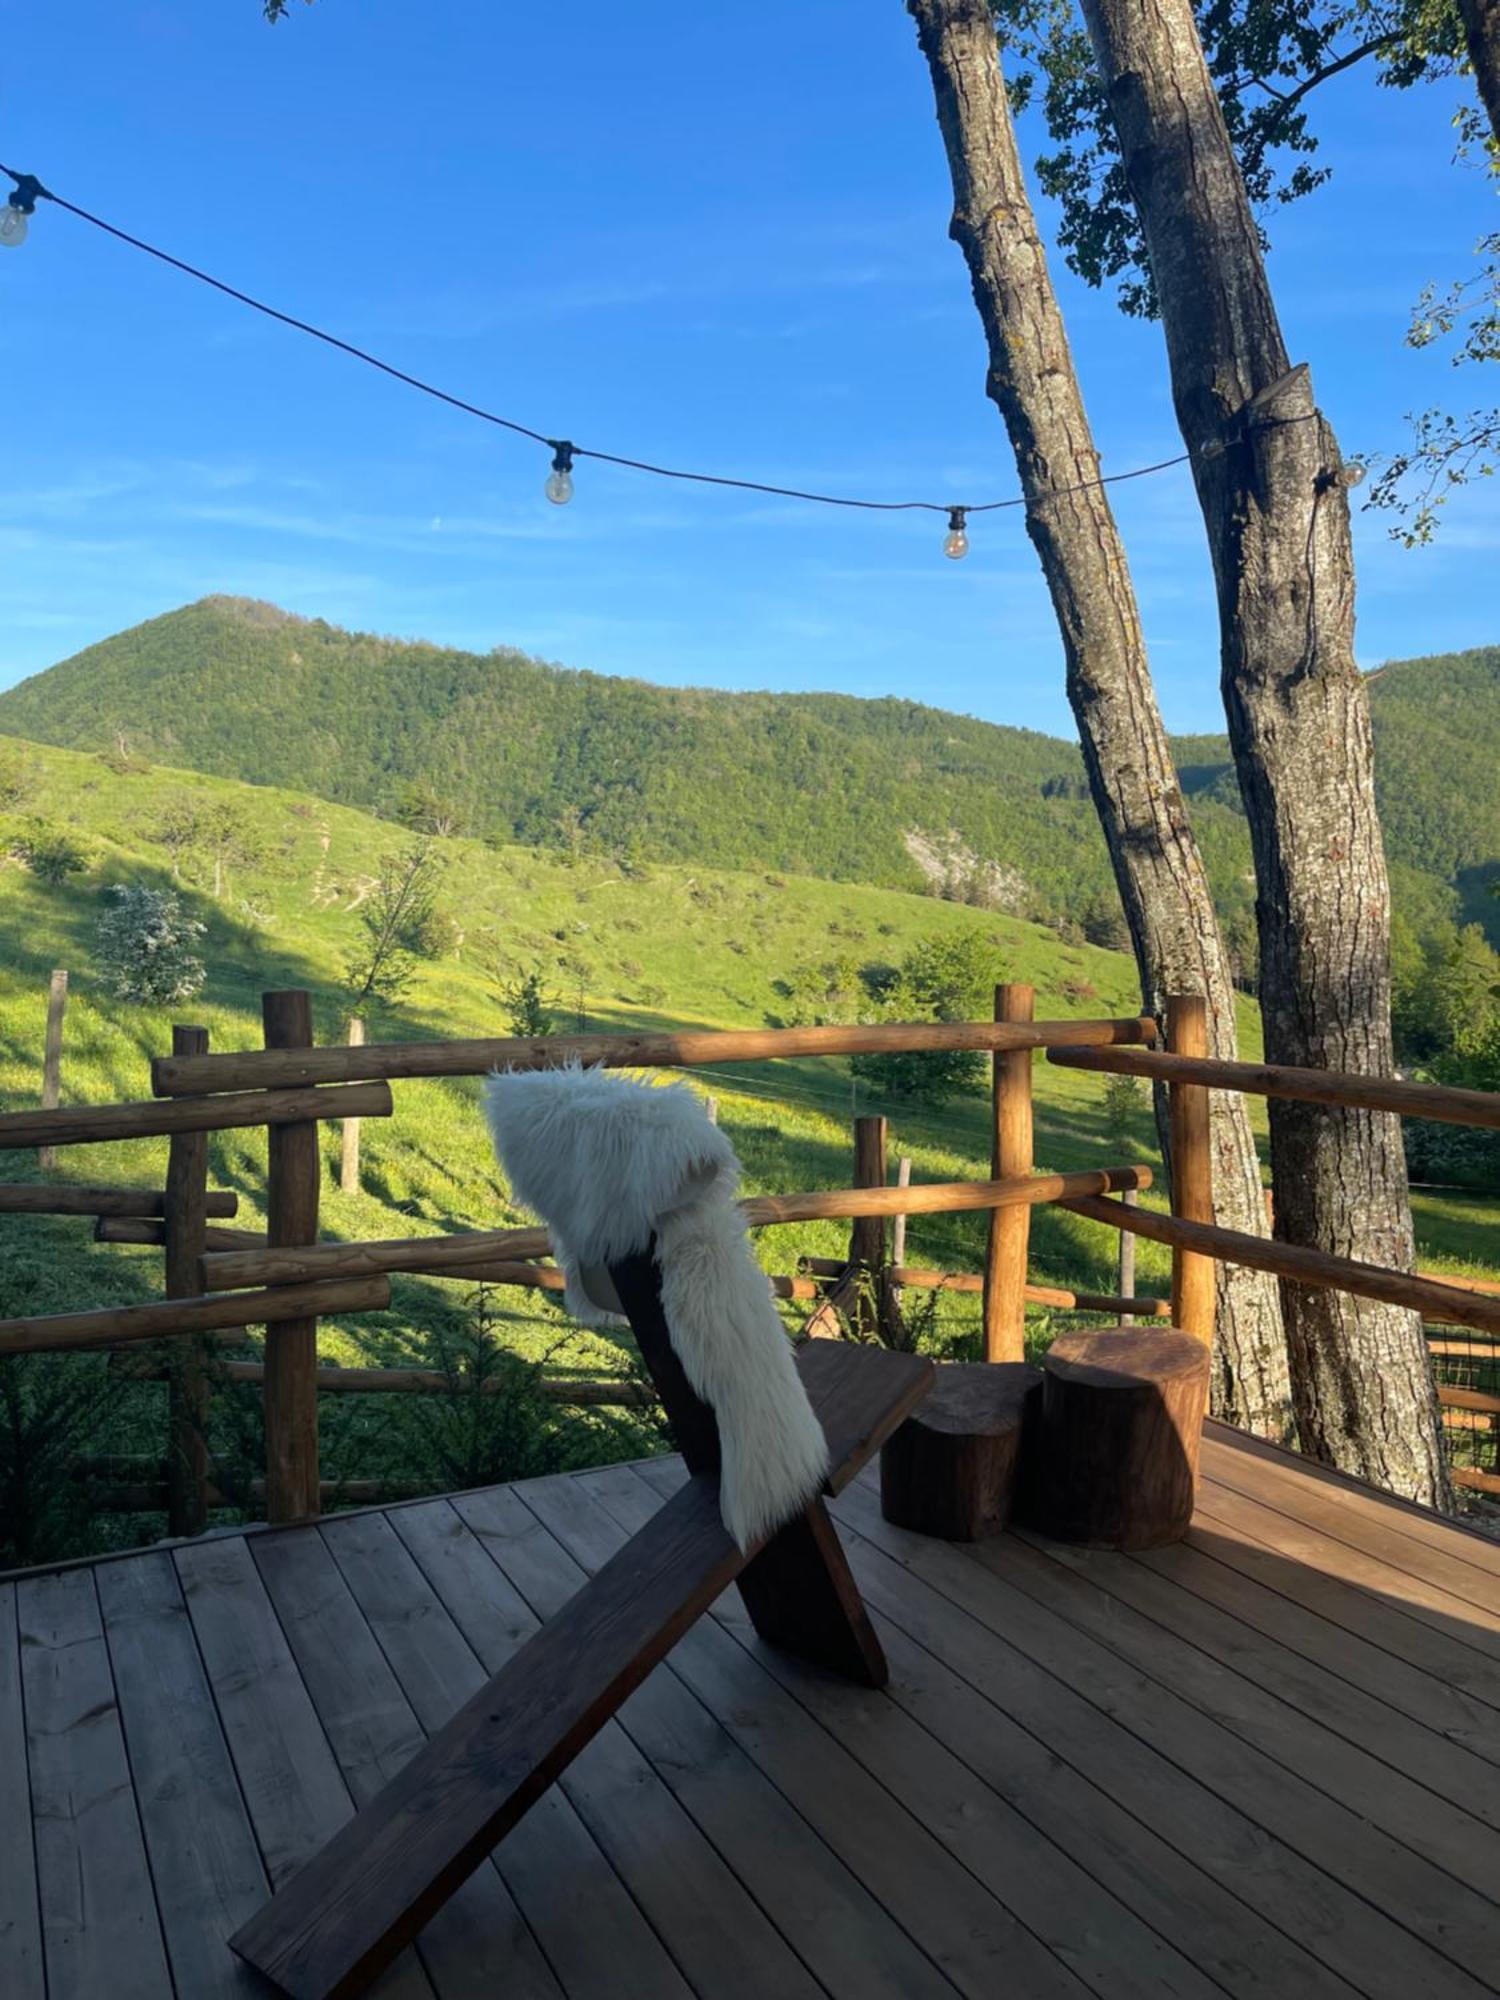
pixel 15 217
pixel 559 486
pixel 28 190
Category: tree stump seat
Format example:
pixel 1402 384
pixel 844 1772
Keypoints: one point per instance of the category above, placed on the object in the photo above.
pixel 951 1468
pixel 1121 1426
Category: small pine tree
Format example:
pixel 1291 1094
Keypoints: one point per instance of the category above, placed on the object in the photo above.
pixel 144 946
pixel 1124 1101
pixel 528 1005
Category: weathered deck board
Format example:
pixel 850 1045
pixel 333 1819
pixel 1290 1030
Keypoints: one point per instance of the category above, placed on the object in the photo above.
pixel 287 1772
pixel 1295 1833
pixel 1326 1576
pixel 852 1946
pixel 1394 1536
pixel 975 1941
pixel 552 1864
pixel 204 1860
pixel 478 1937
pixel 1261 1763
pixel 1084 1924
pixel 20 1913
pixel 100 1928
pixel 713 1928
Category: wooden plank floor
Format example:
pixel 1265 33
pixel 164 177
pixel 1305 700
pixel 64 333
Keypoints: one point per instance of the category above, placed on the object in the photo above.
pixel 1264 1762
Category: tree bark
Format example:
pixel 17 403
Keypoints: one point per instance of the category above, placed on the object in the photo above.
pixel 1158 867
pixel 1269 482
pixel 1481 19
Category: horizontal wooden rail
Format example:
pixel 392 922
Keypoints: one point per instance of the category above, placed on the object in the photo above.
pixel 536 1277
pixel 111 1326
pixel 1303 1266
pixel 1464 1284
pixel 1468 1420
pixel 27 1198
pixel 973 1281
pixel 1454 1398
pixel 253 1069
pixel 151 1229
pixel 1340 1088
pixel 1483 1352
pixel 1480 1482
pixel 87 1124
pixel 456 1255
pixel 581 1393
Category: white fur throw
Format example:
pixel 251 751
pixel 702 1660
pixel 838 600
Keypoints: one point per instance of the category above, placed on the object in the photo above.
pixel 608 1163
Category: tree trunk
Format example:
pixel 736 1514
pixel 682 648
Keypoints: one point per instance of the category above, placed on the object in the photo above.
pixel 1481 19
pixel 1269 482
pixel 1157 864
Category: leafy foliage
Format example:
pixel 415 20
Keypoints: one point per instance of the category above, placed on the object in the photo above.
pixel 144 947
pixel 614 771
pixel 401 925
pixel 1266 57
pixel 50 854
pixel 1447 451
pixel 946 976
pixel 528 1006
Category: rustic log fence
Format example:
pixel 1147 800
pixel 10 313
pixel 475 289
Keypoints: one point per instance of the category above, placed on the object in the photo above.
pixel 221 1280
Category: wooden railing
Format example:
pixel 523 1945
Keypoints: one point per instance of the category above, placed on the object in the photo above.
pixel 286 1279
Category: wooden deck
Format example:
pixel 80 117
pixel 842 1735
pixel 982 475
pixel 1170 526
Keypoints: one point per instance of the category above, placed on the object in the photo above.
pixel 1265 1762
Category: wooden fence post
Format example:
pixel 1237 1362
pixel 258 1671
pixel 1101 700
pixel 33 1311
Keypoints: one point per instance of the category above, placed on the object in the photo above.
pixel 867 1233
pixel 57 1000
pixel 292 1186
pixel 898 1223
pixel 1127 1259
pixel 1011 1153
pixel 1193 1273
pixel 349 1151
pixel 184 1227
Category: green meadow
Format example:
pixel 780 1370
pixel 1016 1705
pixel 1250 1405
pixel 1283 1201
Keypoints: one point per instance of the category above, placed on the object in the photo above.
pixel 651 947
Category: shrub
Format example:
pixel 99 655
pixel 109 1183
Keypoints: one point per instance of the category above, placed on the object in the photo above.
pixel 144 946
pixel 51 855
pixel 527 1004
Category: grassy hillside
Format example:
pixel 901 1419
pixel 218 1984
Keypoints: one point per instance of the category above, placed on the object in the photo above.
pixel 659 946
pixel 816 784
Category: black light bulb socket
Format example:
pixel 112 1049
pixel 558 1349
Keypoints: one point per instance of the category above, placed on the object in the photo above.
pixel 957 520
pixel 562 455
pixel 26 193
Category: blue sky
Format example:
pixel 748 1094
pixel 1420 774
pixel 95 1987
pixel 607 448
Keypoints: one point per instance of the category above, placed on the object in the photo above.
pixel 715 238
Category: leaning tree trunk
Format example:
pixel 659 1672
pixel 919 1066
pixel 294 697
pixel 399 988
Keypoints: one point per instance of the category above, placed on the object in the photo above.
pixel 1481 19
pixel 1156 860
pixel 1271 488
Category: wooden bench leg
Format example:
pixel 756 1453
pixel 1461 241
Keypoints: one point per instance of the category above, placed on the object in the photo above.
pixel 801 1596
pixel 798 1591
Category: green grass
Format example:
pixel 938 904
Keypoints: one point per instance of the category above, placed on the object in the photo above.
pixel 666 947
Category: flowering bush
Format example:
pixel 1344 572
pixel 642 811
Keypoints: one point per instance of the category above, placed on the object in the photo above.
pixel 144 946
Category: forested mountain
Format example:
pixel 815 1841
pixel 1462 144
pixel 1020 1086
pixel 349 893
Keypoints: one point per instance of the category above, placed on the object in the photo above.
pixel 889 792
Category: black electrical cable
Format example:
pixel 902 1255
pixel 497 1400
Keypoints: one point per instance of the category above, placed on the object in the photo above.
pixel 33 190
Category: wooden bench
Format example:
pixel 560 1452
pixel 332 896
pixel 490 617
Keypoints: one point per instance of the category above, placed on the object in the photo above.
pixel 360 1900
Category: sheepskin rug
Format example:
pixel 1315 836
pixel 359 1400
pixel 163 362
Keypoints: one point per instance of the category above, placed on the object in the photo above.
pixel 608 1163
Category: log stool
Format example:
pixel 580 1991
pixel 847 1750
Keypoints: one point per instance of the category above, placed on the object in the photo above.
pixel 1121 1425
pixel 951 1468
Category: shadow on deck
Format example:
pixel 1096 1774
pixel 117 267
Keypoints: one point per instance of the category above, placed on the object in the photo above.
pixel 1266 1761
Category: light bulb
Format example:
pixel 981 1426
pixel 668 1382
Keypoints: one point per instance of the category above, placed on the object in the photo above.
pixel 13 222
pixel 1352 472
pixel 956 542
pixel 559 486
